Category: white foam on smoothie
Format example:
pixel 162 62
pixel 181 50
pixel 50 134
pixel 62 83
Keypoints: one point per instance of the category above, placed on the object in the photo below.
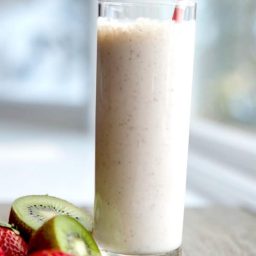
pixel 143 109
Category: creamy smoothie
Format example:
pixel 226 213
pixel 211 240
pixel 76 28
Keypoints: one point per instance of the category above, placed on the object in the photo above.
pixel 143 109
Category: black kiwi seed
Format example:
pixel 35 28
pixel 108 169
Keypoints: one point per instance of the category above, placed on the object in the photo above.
pixel 30 212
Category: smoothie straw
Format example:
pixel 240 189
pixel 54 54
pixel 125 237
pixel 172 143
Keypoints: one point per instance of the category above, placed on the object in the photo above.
pixel 178 13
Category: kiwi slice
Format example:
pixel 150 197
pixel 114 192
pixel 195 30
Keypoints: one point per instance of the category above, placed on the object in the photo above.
pixel 29 213
pixel 66 234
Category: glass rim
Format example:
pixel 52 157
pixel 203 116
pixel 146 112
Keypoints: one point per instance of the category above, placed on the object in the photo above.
pixel 152 2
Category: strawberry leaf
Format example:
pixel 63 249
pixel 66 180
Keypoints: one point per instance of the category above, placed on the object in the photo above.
pixel 7 225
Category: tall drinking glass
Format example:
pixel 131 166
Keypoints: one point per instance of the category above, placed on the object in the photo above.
pixel 145 66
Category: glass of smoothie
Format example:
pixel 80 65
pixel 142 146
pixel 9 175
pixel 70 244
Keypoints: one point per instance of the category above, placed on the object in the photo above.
pixel 144 82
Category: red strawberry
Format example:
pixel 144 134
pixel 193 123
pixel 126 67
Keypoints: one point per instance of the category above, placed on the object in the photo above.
pixel 11 242
pixel 1 252
pixel 50 253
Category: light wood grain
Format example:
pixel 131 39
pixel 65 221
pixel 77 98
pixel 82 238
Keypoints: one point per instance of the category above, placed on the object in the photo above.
pixel 211 231
pixel 219 232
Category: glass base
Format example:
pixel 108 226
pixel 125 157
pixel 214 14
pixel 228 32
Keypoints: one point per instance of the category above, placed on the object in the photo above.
pixel 177 252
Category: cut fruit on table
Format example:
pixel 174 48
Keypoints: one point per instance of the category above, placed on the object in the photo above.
pixel 1 252
pixel 65 234
pixel 50 253
pixel 28 213
pixel 11 243
pixel 51 226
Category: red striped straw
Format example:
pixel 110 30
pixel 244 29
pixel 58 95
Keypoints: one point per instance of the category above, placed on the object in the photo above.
pixel 178 13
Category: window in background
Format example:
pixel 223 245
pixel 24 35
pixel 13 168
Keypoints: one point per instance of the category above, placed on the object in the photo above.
pixel 45 51
pixel 225 75
pixel 47 81
pixel 222 159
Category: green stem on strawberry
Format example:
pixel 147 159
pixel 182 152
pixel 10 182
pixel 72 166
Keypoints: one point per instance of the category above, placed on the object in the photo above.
pixel 7 225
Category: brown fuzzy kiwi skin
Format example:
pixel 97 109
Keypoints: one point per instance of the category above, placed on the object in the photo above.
pixel 25 231
pixel 43 239
pixel 48 237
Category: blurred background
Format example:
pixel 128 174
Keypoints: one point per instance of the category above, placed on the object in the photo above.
pixel 47 90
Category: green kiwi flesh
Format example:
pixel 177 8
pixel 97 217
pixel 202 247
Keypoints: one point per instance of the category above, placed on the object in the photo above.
pixel 29 213
pixel 66 234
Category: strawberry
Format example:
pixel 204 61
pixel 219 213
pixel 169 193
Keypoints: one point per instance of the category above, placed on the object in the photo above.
pixel 11 243
pixel 50 253
pixel 1 252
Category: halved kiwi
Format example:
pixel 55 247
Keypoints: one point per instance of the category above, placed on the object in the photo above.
pixel 66 234
pixel 29 213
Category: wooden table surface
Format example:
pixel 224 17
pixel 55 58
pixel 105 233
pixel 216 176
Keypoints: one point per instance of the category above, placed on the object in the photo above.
pixel 212 232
